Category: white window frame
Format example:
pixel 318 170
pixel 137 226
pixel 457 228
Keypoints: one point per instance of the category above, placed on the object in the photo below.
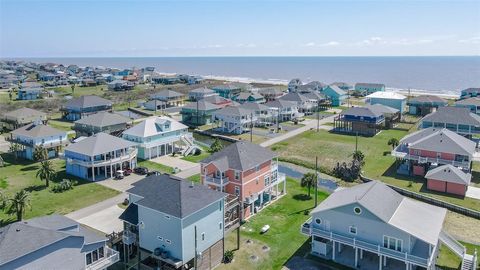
pixel 237 190
pixel 396 240
pixel 350 230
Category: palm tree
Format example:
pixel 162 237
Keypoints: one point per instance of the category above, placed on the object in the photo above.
pixel 308 180
pixel 40 153
pixel 359 157
pixel 393 142
pixel 46 171
pixel 14 148
pixel 18 204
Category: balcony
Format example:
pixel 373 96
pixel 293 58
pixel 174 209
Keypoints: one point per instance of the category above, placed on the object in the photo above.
pixel 98 163
pixel 309 230
pixel 111 257
pixel 31 143
pixel 128 237
pixel 420 159
pixel 217 181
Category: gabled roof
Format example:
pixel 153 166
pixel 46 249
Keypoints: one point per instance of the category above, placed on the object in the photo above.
pixel 103 119
pixel 217 100
pixel 149 127
pixel 233 111
pixel 427 99
pixel 130 214
pixel 314 95
pixel 253 106
pixel 166 94
pixel 341 84
pixel 99 143
pixel 387 95
pixel 37 130
pixel 295 97
pixel 440 140
pixel 25 112
pixel 201 105
pixel 24 237
pixel 419 219
pixel 363 112
pixel 270 91
pixel 336 89
pixel 88 102
pixel 202 90
pixel 471 90
pixel 173 195
pixel 453 115
pixel 449 173
pixel 240 156
pixel 280 104
pixel 475 101
pixel 246 95
pixel 382 108
pixel 375 85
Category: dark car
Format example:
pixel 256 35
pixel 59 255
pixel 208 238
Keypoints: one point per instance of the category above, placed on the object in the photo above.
pixel 127 172
pixel 141 170
pixel 153 173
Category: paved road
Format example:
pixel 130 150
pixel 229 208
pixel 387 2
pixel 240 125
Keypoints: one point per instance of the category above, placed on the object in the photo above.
pixel 309 124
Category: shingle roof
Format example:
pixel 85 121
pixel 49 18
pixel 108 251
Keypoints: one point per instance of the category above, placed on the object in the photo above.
pixel 280 104
pixel 440 140
pixel 471 90
pixel 337 90
pixel 427 99
pixel 419 219
pixel 453 115
pixel 25 112
pixel 149 127
pixel 252 106
pixel 173 195
pixel 370 85
pixel 217 99
pixel 270 91
pixel 99 143
pixel 383 108
pixel 240 156
pixel 314 95
pixel 37 130
pixel 475 101
pixel 246 95
pixel 449 173
pixel 233 111
pixel 130 214
pixel 166 93
pixel 23 237
pixel 88 102
pixel 295 97
pixel 201 105
pixel 363 112
pixel 202 90
pixel 103 119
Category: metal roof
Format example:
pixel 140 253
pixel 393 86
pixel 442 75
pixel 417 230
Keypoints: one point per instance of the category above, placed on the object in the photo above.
pixel 103 119
pixel 35 130
pixel 449 173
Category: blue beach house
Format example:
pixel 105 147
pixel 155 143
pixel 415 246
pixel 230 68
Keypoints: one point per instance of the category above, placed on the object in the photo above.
pixel 99 157
pixel 173 220
pixel 77 108
pixel 390 99
pixel 227 90
pixel 368 88
pixel 423 105
pixel 470 92
pixel 29 93
pixel 38 134
pixel 336 95
pixel 473 104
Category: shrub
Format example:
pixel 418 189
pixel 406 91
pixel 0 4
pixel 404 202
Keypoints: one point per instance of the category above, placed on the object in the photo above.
pixel 64 185
pixel 306 212
pixel 410 184
pixel 228 256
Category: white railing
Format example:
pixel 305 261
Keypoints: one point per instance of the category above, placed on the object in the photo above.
pixel 217 181
pixel 307 229
pixel 111 257
pixel 404 155
pixel 131 154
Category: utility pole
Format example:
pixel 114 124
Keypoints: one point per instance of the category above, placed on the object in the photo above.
pixel 356 141
pixel 195 255
pixel 197 114
pixel 316 180
pixel 251 127
pixel 278 119
pixel 318 117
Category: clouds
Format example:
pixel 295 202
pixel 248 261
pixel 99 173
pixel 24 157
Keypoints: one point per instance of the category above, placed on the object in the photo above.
pixel 472 40
pixel 327 44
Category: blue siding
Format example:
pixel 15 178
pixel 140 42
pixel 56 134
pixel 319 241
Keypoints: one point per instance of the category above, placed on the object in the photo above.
pixel 398 104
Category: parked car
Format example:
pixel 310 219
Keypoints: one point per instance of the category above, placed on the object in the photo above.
pixel 119 174
pixel 153 173
pixel 141 170
pixel 127 172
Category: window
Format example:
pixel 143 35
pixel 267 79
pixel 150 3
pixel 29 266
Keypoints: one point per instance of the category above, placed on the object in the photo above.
pixel 220 225
pixel 237 175
pixel 439 155
pixel 257 168
pixel 318 221
pixel 101 253
pixel 267 180
pixel 203 236
pixel 357 210
pixel 220 206
pixel 89 258
pixel 160 238
pixel 237 191
pixel 353 229
pixel 392 243
pixel 168 241
pixel 95 255
pixel 256 181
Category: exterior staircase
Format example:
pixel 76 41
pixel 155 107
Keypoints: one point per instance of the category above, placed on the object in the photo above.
pixel 468 261
pixel 190 145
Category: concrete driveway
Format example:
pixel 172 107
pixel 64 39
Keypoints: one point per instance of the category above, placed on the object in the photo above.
pixel 187 168
pixel 123 184
pixel 473 192
pixel 105 220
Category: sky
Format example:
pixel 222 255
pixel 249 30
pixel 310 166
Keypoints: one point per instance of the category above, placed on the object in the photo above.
pixel 127 28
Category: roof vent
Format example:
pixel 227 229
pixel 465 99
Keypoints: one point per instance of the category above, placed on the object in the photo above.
pixel 17 230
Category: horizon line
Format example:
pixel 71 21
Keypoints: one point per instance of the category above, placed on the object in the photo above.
pixel 231 56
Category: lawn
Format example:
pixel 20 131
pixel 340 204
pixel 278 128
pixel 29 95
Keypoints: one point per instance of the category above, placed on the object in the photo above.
pixel 60 124
pixel 21 175
pixel 449 260
pixel 197 158
pixel 194 178
pixel 284 217
pixel 379 164
pixel 153 166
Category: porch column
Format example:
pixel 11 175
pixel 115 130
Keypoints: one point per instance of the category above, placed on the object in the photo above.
pixel 105 169
pixel 356 257
pixel 380 262
pixel 111 170
pixel 384 260
pixel 261 199
pixel 93 173
pixel 407 266
pixel 285 187
pixel 361 254
pixel 333 251
pixel 339 247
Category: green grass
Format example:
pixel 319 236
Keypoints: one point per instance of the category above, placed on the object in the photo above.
pixel 284 239
pixel 21 175
pixel 61 125
pixel 153 166
pixel 379 164
pixel 194 178
pixel 448 259
pixel 197 158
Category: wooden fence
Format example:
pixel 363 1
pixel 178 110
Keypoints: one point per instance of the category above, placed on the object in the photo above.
pixel 450 206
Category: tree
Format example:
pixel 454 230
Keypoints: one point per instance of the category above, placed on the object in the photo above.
pixel 308 180
pixel 46 171
pixel 14 148
pixel 40 153
pixel 359 157
pixel 18 204
pixel 393 142
pixel 216 146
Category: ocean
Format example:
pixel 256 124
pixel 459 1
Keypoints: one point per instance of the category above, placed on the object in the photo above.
pixel 438 75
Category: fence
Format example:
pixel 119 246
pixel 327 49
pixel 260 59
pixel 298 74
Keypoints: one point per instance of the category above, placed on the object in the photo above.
pixel 452 207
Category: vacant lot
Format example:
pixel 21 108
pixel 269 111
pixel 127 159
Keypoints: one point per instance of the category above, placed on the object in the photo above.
pixel 21 175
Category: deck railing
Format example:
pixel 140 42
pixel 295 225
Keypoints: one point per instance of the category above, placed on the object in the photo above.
pixel 111 257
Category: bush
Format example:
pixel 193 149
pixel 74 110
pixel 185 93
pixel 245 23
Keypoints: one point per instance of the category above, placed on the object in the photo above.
pixel 197 152
pixel 228 256
pixel 306 212
pixel 63 186
pixel 410 184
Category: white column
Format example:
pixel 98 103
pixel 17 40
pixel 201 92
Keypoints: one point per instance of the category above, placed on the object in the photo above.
pixel 261 199
pixel 384 260
pixel 285 187
pixel 361 254
pixel 380 262
pixel 333 251
pixel 93 173
pixel 356 257
pixel 105 169
pixel 111 170
pixel 339 247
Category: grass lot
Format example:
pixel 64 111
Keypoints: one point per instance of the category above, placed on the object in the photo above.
pixel 284 217
pixel 194 178
pixel 61 125
pixel 198 158
pixel 153 166
pixel 450 260
pixel 21 175
pixel 379 164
